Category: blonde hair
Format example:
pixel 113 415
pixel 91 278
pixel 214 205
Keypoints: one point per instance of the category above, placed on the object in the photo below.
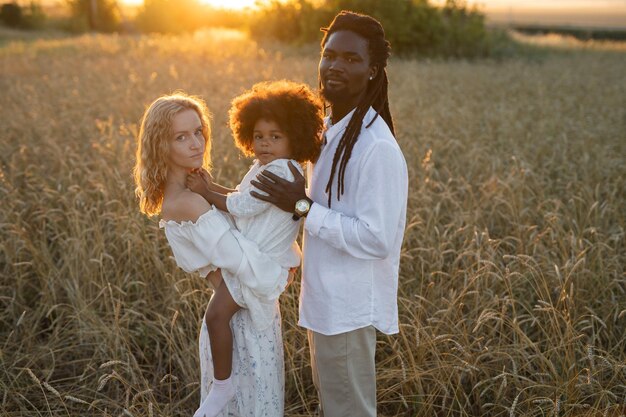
pixel 150 170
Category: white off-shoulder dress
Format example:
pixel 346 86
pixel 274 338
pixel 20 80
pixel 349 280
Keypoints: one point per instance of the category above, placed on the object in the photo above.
pixel 254 261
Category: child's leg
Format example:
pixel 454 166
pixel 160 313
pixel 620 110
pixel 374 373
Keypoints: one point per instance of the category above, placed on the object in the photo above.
pixel 220 310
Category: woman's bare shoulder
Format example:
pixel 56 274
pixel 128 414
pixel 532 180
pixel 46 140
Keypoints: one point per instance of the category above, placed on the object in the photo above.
pixel 184 207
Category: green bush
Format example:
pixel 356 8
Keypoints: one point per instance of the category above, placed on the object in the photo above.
pixel 11 14
pixel 27 17
pixel 413 27
pixel 292 22
pixel 33 16
pixel 465 33
pixel 95 15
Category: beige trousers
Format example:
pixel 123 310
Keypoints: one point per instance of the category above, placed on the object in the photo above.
pixel 344 372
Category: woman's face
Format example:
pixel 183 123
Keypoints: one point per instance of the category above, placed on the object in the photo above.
pixel 269 142
pixel 186 143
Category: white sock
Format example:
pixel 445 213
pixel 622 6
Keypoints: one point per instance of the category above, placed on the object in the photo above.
pixel 219 395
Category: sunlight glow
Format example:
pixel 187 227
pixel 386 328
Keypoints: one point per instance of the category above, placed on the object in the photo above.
pixel 226 4
pixel 229 4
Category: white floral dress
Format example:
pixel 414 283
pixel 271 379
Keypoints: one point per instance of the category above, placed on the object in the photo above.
pixel 254 268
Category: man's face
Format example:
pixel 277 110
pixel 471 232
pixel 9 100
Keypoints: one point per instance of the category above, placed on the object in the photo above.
pixel 344 68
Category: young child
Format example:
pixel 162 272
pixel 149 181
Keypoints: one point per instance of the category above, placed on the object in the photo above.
pixel 276 122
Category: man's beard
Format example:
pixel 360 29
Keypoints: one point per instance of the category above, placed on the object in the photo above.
pixel 333 96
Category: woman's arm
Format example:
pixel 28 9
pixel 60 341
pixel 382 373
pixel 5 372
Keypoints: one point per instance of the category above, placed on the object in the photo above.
pixel 215 278
pixel 210 240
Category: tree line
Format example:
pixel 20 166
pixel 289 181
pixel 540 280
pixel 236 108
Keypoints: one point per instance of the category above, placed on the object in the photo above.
pixel 413 26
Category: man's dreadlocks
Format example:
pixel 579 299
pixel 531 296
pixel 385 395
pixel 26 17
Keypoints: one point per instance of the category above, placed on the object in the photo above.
pixel 376 95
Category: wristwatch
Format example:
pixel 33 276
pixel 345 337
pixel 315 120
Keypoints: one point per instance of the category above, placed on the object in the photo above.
pixel 302 208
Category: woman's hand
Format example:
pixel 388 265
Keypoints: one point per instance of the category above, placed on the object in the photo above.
pixel 291 276
pixel 282 193
pixel 215 278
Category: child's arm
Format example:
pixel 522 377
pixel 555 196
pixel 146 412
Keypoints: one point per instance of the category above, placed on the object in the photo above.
pixel 215 187
pixel 217 199
pixel 221 189
pixel 202 174
pixel 200 182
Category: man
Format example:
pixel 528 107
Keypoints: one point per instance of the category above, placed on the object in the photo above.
pixel 355 217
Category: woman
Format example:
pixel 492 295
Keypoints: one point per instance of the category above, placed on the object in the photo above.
pixel 174 139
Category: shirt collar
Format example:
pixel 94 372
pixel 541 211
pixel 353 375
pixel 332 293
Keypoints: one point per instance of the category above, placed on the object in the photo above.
pixel 334 130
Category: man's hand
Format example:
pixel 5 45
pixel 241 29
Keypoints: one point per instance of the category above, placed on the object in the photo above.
pixel 282 193
pixel 199 181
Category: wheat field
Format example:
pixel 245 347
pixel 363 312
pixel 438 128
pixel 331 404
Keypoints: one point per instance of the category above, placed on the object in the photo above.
pixel 512 284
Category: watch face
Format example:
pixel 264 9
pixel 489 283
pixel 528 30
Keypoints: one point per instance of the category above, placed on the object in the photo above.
pixel 302 205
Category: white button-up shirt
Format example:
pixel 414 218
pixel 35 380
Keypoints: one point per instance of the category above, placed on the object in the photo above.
pixel 352 250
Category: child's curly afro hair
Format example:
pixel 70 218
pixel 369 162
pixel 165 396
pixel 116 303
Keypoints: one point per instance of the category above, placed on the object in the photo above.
pixel 293 106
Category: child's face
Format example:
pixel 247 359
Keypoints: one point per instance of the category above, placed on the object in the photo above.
pixel 186 143
pixel 269 142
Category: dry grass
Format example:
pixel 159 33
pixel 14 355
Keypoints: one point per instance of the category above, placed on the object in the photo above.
pixel 512 297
